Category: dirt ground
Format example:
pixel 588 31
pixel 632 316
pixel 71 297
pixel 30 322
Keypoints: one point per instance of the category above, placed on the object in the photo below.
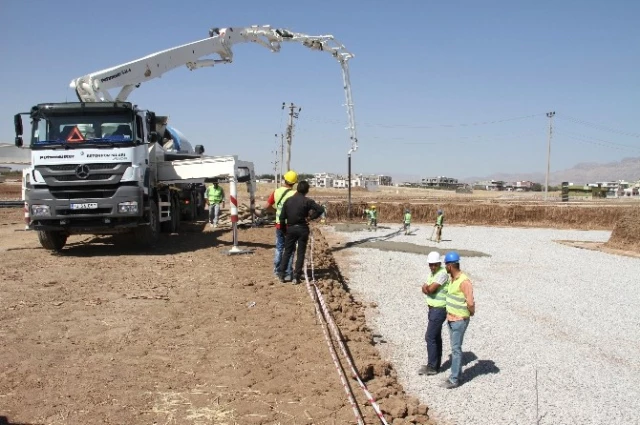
pixel 185 334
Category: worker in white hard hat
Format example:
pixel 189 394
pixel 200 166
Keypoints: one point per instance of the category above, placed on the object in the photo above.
pixel 274 204
pixel 435 294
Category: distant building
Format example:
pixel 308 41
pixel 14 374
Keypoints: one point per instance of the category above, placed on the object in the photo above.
pixel 440 182
pixel 495 185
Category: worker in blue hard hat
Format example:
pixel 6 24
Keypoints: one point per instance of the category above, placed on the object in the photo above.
pixel 460 307
pixel 439 224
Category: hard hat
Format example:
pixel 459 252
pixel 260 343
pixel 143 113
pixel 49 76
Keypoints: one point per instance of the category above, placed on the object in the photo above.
pixel 291 177
pixel 439 211
pixel 406 210
pixel 433 257
pixel 373 207
pixel 451 257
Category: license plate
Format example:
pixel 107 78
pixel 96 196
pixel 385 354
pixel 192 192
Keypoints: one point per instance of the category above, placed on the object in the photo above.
pixel 88 206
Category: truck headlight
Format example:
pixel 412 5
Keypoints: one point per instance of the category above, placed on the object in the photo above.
pixel 40 210
pixel 128 207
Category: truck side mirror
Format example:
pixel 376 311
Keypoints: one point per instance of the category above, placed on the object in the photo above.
pixel 199 149
pixel 151 119
pixel 152 137
pixel 17 123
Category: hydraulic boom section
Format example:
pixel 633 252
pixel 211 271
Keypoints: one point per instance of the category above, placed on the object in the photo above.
pixel 95 87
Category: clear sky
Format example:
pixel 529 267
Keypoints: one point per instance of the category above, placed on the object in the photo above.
pixel 423 71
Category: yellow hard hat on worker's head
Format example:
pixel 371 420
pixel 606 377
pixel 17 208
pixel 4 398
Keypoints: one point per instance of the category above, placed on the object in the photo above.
pixel 291 177
pixel 373 207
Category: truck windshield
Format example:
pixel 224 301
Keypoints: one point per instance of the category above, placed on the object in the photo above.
pixel 82 130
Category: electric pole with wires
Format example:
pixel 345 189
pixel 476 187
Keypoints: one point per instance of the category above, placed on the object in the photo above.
pixel 546 181
pixel 292 115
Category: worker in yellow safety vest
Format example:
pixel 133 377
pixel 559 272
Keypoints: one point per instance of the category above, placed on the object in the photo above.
pixel 214 196
pixel 435 294
pixel 274 203
pixel 460 307
pixel 439 224
pixel 406 221
pixel 372 217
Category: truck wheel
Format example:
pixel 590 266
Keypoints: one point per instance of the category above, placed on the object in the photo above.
pixel 147 236
pixel 52 240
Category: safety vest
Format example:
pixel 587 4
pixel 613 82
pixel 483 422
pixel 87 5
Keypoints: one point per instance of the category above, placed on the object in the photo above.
pixel 279 196
pixel 407 218
pixel 439 299
pixel 439 220
pixel 456 301
pixel 215 194
pixel 373 214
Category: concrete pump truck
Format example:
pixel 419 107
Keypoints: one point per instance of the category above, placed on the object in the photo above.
pixel 104 166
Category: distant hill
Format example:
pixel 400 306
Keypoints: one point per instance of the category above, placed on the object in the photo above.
pixel 586 172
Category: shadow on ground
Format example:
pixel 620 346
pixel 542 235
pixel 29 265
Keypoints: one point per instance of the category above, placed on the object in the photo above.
pixel 481 367
pixel 191 237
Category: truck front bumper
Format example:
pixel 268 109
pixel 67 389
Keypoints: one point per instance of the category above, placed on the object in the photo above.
pixel 124 209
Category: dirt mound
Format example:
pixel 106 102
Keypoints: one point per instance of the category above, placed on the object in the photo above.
pixel 378 375
pixel 626 233
pixel 595 217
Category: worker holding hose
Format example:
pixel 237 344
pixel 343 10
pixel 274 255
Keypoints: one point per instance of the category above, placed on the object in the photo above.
pixel 435 293
pixel 460 307
pixel 406 221
pixel 439 224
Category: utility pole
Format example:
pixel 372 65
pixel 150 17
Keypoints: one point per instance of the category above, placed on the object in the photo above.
pixel 276 162
pixel 281 154
pixel 546 181
pixel 292 115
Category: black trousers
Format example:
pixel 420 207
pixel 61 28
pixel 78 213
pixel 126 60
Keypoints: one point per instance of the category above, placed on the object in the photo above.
pixel 295 234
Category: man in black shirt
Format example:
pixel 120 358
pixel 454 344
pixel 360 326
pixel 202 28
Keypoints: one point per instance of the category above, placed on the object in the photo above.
pixel 295 213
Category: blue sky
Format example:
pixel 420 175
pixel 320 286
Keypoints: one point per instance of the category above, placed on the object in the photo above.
pixel 423 71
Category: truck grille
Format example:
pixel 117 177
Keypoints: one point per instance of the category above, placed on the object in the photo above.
pixel 79 176
pixel 83 192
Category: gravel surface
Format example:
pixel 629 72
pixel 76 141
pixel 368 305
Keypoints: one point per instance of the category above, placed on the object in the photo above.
pixel 570 315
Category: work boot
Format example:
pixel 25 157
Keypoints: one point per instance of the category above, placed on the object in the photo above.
pixel 449 385
pixel 280 277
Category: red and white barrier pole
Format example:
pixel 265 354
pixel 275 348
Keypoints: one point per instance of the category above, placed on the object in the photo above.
pixel 233 207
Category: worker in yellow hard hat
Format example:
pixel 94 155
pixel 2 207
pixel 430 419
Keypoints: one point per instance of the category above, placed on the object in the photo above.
pixel 274 204
pixel 372 215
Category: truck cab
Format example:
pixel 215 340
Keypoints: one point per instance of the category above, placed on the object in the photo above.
pixel 97 168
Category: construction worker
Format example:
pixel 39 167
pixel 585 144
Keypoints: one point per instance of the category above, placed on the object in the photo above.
pixel 406 221
pixel 276 199
pixel 460 307
pixel 435 293
pixel 372 214
pixel 214 196
pixel 295 213
pixel 439 224
pixel 323 219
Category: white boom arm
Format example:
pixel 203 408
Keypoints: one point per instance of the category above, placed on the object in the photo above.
pixel 94 87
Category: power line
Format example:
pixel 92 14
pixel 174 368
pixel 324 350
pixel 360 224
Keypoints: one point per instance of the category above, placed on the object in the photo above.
pixel 598 126
pixel 582 137
pixel 429 126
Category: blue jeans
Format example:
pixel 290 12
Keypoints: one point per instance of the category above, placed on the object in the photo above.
pixel 278 256
pixel 456 335
pixel 433 336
